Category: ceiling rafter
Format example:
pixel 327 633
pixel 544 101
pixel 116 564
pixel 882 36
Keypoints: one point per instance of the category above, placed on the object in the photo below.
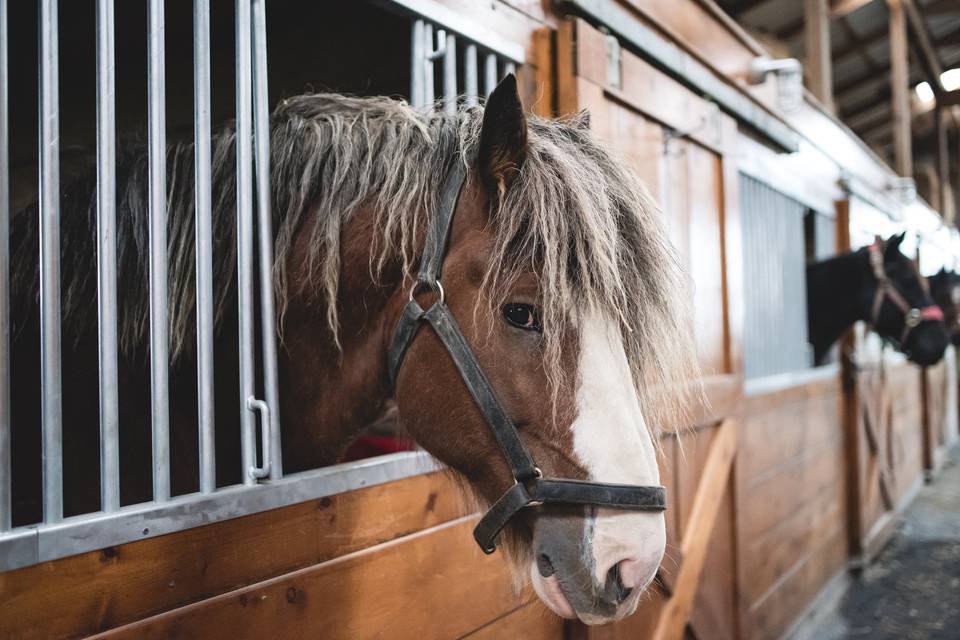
pixel 865 78
pixel 742 7
pixel 838 9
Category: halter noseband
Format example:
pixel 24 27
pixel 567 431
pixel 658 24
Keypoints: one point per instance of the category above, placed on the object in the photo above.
pixel 529 488
pixel 912 316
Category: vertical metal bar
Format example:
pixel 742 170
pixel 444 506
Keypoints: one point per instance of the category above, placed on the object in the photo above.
pixel 107 260
pixel 489 74
pixel 509 68
pixel 5 502
pixel 50 382
pixel 268 318
pixel 157 142
pixel 428 96
pixel 245 237
pixel 204 241
pixel 471 86
pixel 450 75
pixel 417 58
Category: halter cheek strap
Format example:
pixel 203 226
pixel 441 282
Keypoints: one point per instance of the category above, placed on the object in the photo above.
pixel 912 316
pixel 529 487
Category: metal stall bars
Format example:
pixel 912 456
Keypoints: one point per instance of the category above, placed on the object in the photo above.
pixel 107 260
pixel 272 455
pixel 426 50
pixel 50 388
pixel 203 230
pixel 159 344
pixel 249 403
pixel 56 537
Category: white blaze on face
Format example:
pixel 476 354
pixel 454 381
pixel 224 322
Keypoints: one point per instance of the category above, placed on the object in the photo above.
pixel 611 440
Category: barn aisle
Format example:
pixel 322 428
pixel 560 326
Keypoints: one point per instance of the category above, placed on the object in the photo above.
pixel 912 591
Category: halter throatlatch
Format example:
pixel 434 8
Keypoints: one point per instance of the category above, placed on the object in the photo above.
pixel 529 488
pixel 912 316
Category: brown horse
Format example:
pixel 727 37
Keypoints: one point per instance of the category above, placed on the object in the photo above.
pixel 557 269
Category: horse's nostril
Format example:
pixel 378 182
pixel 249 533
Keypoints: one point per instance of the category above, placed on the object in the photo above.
pixel 544 566
pixel 615 588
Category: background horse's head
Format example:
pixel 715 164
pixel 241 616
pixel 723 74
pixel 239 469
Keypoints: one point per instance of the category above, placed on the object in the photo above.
pixel 560 275
pixel 899 305
pixel 945 290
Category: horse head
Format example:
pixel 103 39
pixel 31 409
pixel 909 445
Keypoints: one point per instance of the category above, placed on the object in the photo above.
pixel 945 291
pixel 558 272
pixel 899 306
pixel 509 285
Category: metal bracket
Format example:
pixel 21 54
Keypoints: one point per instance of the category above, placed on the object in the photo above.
pixel 254 404
pixel 614 77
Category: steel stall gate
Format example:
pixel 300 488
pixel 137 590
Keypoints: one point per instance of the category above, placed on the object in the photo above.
pixel 424 53
pixel 775 327
pixel 264 485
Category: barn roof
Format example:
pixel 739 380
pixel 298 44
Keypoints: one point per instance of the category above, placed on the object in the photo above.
pixel 860 52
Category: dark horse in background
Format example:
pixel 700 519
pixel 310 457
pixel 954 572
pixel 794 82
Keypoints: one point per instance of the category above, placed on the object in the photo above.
pixel 945 290
pixel 878 285
pixel 557 268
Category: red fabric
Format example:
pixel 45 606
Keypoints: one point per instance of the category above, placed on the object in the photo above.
pixel 371 446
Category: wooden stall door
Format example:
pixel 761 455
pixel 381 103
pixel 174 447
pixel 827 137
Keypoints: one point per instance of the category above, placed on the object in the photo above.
pixel 677 142
pixel 884 429
pixel 939 390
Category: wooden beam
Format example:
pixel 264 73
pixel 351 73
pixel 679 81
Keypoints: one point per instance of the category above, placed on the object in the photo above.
pixel 841 8
pixel 941 8
pixel 818 65
pixel 950 98
pixel 900 89
pixel 943 163
pixel 929 59
pixel 742 7
pixel 703 515
pixel 875 75
pixel 838 10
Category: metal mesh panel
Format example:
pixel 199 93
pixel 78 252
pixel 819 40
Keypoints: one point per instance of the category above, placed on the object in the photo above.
pixel 775 323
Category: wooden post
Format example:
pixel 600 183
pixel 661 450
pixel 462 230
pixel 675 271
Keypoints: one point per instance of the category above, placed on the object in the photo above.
pixel 816 14
pixel 943 165
pixel 900 89
pixel 851 403
pixel 703 515
pixel 543 48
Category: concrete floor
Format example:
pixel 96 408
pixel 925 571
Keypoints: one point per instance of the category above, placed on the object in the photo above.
pixel 912 590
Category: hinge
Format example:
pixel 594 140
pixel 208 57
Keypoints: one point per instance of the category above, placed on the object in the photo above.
pixel 613 60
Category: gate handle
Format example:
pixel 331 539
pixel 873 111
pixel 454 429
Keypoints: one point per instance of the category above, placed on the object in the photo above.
pixel 253 404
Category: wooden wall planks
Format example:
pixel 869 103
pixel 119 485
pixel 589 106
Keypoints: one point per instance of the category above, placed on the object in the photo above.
pixel 95 591
pixel 793 501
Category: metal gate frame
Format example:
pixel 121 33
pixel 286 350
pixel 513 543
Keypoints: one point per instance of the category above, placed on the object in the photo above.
pixel 264 485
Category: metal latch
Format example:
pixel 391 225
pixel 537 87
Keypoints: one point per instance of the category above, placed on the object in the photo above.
pixel 266 434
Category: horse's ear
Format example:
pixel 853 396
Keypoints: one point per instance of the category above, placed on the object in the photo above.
pixel 892 245
pixel 503 138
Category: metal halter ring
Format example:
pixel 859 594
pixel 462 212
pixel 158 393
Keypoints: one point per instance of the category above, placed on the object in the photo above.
pixel 433 284
pixel 913 318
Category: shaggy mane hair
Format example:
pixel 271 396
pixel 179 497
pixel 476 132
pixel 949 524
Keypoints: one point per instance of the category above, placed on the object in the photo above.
pixel 575 215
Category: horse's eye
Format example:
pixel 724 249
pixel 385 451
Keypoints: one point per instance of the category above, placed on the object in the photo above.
pixel 522 316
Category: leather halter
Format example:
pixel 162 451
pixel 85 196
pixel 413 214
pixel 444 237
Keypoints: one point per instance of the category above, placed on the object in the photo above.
pixel 886 289
pixel 529 488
